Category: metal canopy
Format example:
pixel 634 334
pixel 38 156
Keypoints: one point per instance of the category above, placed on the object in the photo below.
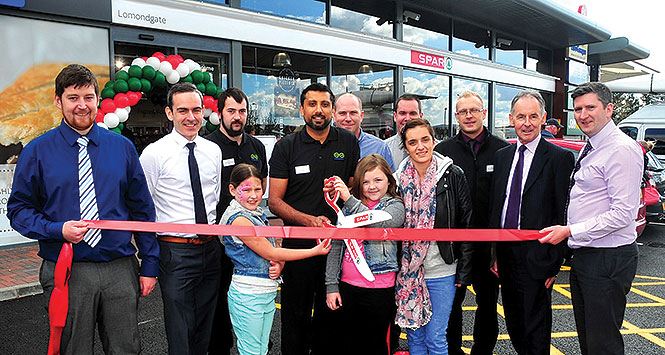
pixel 615 50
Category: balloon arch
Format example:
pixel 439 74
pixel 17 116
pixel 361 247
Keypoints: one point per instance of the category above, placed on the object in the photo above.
pixel 146 74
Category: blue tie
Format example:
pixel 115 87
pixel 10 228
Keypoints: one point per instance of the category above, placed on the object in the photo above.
pixel 200 214
pixel 87 199
pixel 515 197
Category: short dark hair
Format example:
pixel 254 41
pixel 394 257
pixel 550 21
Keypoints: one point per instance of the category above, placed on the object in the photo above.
pixel 76 75
pixel 601 90
pixel 241 172
pixel 416 122
pixel 235 93
pixel 181 87
pixel 316 87
pixel 409 97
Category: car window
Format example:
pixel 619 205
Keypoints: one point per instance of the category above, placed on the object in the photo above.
pixel 656 135
pixel 630 131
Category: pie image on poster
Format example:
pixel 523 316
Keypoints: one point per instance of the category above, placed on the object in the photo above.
pixel 27 107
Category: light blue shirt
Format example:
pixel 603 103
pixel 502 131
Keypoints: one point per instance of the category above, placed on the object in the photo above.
pixel 370 144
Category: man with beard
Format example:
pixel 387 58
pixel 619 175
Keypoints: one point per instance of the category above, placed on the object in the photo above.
pixel 237 147
pixel 299 164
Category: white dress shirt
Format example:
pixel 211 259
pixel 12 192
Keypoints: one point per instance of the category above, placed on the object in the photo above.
pixel 528 158
pixel 166 167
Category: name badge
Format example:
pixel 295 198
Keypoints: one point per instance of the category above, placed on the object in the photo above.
pixel 228 162
pixel 302 169
pixel 490 168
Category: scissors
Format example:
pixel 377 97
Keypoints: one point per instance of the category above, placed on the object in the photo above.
pixel 353 221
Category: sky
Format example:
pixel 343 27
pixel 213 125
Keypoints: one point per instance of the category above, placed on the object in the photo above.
pixel 639 20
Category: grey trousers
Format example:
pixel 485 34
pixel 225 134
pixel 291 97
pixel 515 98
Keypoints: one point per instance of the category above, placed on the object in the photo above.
pixel 105 294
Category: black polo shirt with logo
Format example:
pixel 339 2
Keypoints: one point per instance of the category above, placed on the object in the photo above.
pixel 306 162
pixel 250 151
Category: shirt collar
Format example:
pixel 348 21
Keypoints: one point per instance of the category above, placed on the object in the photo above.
pixel 181 141
pixel 226 140
pixel 604 132
pixel 71 136
pixel 480 139
pixel 333 133
pixel 531 146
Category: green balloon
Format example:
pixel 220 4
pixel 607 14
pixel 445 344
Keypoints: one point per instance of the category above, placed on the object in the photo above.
pixel 135 71
pixel 108 93
pixel 160 80
pixel 211 89
pixel 121 126
pixel 197 77
pixel 210 127
pixel 134 84
pixel 219 92
pixel 206 78
pixel 116 129
pixel 149 72
pixel 187 79
pixel 120 86
pixel 201 87
pixel 109 84
pixel 145 85
pixel 121 75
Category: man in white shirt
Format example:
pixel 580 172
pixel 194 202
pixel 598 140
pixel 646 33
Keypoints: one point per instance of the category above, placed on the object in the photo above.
pixel 183 174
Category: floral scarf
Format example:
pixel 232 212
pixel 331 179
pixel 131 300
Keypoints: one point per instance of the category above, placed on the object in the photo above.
pixel 414 308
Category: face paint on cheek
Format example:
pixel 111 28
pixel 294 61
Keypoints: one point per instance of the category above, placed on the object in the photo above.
pixel 243 192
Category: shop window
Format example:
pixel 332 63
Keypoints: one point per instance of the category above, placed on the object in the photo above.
pixel 471 40
pixel 504 95
pixel 370 20
pixel 509 51
pixel 425 37
pixel 273 80
pixel 462 85
pixel 305 10
pixel 539 59
pixel 373 84
pixel 433 90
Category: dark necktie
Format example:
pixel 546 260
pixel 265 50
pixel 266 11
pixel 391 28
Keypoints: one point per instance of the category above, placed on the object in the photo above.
pixel 587 148
pixel 472 145
pixel 515 197
pixel 195 179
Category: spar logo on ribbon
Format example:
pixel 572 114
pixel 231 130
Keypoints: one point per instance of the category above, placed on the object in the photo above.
pixel 431 60
pixel 254 157
pixel 338 156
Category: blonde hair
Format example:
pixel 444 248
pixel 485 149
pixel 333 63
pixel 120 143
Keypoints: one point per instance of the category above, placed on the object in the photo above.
pixel 368 163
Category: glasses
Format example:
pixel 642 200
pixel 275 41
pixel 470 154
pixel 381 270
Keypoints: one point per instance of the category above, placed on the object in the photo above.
pixel 473 111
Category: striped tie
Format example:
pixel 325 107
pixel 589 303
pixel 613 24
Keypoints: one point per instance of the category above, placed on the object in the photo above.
pixel 87 198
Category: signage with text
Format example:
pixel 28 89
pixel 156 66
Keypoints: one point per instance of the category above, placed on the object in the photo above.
pixel 431 60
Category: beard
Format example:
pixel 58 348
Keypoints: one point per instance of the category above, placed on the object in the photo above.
pixel 232 132
pixel 326 123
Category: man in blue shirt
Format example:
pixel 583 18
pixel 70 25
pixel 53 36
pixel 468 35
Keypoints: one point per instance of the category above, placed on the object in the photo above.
pixel 104 286
pixel 348 114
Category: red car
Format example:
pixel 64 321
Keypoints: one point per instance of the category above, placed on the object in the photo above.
pixel 575 147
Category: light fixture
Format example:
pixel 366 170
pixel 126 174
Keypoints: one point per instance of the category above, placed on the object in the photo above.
pixel 410 15
pixel 365 69
pixel 381 21
pixel 281 60
pixel 503 42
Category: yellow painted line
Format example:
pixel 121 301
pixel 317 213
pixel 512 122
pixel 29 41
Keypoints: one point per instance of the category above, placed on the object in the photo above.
pixel 648 336
pixel 656 283
pixel 647 295
pixel 555 351
pixel 650 277
pixel 565 268
pixel 642 331
pixel 562 290
pixel 562 306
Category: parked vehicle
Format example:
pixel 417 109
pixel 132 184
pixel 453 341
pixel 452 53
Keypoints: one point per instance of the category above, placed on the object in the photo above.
pixel 656 173
pixel 648 124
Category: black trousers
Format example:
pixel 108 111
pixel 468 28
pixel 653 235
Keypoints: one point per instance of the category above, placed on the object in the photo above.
pixel 527 303
pixel 600 279
pixel 189 280
pixel 367 314
pixel 301 330
pixel 486 324
pixel 221 339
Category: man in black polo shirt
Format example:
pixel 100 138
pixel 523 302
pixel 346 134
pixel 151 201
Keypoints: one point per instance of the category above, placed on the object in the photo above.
pixel 473 150
pixel 299 164
pixel 237 147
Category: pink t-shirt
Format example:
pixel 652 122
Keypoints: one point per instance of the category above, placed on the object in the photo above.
pixel 352 276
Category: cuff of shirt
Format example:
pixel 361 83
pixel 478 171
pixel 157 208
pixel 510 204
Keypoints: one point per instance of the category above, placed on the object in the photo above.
pixel 579 233
pixel 54 230
pixel 149 268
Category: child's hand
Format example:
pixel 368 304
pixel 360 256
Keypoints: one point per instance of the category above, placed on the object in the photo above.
pixel 340 186
pixel 329 185
pixel 323 247
pixel 334 300
pixel 275 269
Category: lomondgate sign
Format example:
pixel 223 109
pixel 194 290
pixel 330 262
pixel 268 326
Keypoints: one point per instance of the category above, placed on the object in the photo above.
pixel 431 60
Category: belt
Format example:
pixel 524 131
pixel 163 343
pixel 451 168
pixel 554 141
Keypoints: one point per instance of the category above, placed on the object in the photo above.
pixel 201 240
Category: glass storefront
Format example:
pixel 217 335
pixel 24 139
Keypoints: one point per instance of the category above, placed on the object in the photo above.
pixel 433 90
pixel 305 10
pixel 503 96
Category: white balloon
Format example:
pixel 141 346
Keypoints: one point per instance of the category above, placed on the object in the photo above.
pixel 173 77
pixel 192 65
pixel 214 118
pixel 122 114
pixel 139 61
pixel 153 62
pixel 103 125
pixel 125 68
pixel 183 70
pixel 165 68
pixel 207 112
pixel 128 109
pixel 111 120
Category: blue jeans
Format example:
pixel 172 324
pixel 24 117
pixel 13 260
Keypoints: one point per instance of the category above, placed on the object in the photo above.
pixel 252 317
pixel 431 339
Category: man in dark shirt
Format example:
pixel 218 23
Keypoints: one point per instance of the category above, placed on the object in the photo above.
pixel 81 171
pixel 473 149
pixel 237 147
pixel 299 164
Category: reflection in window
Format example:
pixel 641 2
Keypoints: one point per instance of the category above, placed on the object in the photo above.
pixel 306 10
pixel 539 59
pixel 469 48
pixel 425 37
pixel 359 22
pixel 373 84
pixel 433 91
pixel 656 135
pixel 462 85
pixel 273 80
pixel 502 127
pixel 509 52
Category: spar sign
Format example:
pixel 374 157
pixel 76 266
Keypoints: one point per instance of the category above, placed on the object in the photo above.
pixel 431 60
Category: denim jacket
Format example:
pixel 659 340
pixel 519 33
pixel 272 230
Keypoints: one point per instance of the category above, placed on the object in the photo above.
pixel 245 261
pixel 381 255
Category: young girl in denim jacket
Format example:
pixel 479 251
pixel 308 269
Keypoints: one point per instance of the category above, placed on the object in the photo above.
pixel 257 263
pixel 367 307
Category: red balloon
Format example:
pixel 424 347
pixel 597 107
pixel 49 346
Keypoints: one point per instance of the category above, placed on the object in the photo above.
pixel 180 59
pixel 133 97
pixel 208 101
pixel 100 116
pixel 121 100
pixel 107 106
pixel 215 107
pixel 174 61
pixel 144 58
pixel 159 55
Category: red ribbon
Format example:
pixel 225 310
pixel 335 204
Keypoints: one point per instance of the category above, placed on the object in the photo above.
pixel 59 302
pixel 488 235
